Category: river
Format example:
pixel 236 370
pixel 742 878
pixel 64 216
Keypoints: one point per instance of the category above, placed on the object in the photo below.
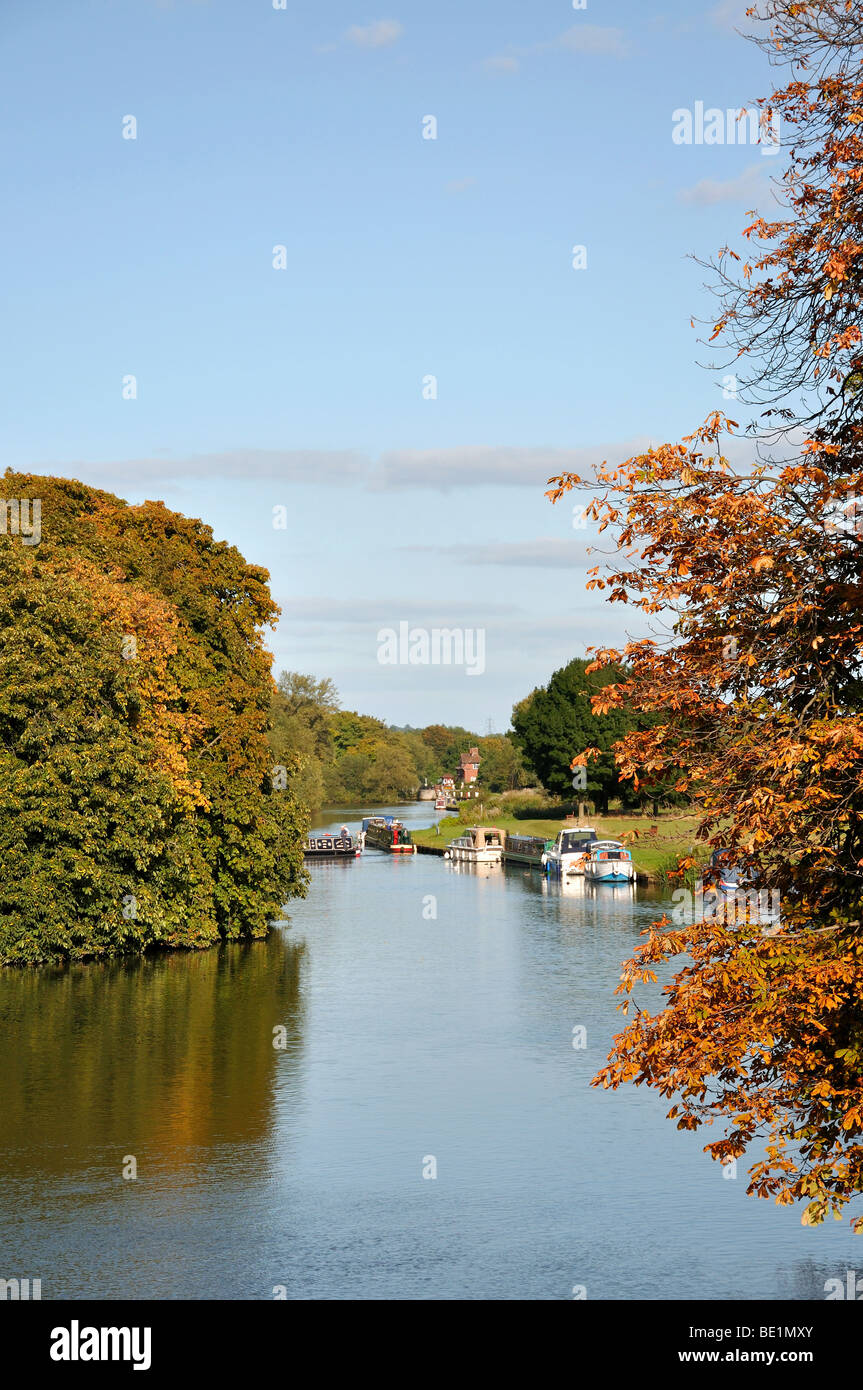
pixel 423 1126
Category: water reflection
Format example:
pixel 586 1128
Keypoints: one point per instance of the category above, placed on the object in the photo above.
pixel 463 867
pixel 163 1057
pixel 600 894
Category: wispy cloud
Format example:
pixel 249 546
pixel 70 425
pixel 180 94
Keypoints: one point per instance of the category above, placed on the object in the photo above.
pixel 477 465
pixel 461 185
pixel 593 38
pixel 502 63
pixel 597 40
pixel 318 627
pixel 438 470
pixel 750 186
pixel 381 33
pixel 297 466
pixel 365 612
pixel 549 552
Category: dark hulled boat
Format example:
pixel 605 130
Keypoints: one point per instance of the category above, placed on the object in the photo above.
pixel 330 847
pixel 387 833
pixel 524 849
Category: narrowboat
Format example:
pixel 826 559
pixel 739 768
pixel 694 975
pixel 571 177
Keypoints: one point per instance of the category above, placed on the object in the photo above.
pixel 523 849
pixel 609 862
pixel 482 844
pixel 330 847
pixel 387 833
pixel 569 852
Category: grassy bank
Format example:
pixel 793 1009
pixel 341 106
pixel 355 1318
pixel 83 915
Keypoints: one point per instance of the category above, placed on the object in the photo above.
pixel 655 842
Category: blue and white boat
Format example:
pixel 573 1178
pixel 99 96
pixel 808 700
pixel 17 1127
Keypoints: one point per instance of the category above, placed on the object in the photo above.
pixel 724 872
pixel 609 861
pixel 738 894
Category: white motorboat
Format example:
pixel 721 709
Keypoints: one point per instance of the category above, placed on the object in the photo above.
pixel 609 861
pixel 569 853
pixel 482 844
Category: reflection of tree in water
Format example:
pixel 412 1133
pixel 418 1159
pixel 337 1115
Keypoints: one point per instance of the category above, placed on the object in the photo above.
pixel 168 1056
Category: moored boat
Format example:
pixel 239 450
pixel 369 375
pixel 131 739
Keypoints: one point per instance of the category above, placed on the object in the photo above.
pixel 387 833
pixel 330 847
pixel 481 844
pixel 609 861
pixel 725 874
pixel 568 854
pixel 523 849
pixel 440 804
pixel 738 894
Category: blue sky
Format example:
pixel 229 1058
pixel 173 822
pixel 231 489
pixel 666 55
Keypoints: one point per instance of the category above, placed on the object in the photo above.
pixel 405 257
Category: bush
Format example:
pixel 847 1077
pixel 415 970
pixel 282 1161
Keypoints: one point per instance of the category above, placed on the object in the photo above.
pixel 548 810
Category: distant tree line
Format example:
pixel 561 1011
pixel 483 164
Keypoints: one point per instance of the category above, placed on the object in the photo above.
pixel 339 757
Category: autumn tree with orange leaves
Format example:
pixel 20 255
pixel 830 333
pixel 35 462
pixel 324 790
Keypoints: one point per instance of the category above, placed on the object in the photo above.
pixel 751 576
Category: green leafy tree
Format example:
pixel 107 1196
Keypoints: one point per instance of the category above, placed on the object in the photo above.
pixel 378 768
pixel 301 738
pixel 349 728
pixel 448 742
pixel 439 739
pixel 138 806
pixel 427 765
pixel 556 723
pixel 501 766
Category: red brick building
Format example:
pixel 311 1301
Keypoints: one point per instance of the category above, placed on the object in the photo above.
pixel 468 767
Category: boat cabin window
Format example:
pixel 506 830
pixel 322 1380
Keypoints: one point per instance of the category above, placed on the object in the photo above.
pixel 572 840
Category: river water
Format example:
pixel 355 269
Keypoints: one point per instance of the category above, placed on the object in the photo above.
pixel 423 1016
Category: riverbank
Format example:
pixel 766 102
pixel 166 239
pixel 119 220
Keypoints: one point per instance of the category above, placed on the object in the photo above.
pixel 656 843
